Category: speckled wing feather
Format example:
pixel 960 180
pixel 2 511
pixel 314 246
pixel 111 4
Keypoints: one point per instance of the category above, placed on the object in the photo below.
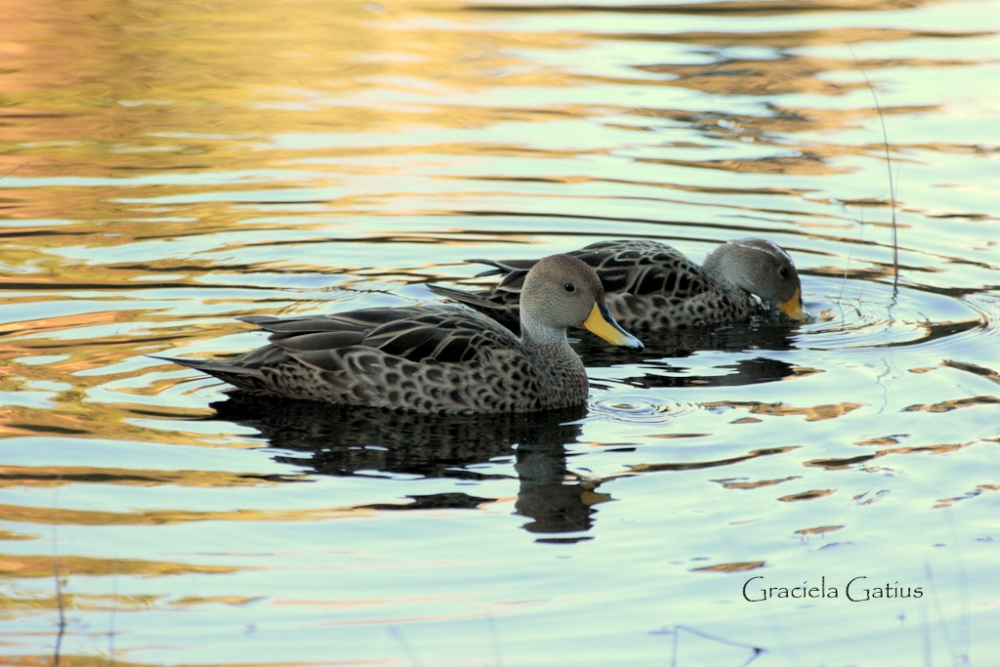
pixel 388 357
pixel 644 268
pixel 440 333
pixel 647 284
pixel 502 305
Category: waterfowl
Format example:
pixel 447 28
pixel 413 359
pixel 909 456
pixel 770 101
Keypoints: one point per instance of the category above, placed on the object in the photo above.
pixel 654 286
pixel 435 358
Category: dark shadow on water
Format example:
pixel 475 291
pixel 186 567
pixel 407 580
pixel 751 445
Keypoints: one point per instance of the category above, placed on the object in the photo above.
pixel 343 440
pixel 755 370
pixel 346 441
pixel 349 441
pixel 665 351
pixel 680 343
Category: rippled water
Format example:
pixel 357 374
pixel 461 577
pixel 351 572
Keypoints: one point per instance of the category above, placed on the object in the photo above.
pixel 172 166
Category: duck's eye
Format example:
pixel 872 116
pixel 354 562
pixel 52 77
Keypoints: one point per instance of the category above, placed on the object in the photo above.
pixel 785 272
pixel 570 287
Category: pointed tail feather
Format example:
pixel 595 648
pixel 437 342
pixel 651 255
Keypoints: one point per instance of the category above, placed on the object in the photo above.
pixel 495 308
pixel 469 298
pixel 237 375
pixel 504 266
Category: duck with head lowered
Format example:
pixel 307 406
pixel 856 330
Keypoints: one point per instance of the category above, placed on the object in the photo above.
pixel 435 358
pixel 650 285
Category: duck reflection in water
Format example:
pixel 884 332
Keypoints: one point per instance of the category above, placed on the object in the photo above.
pixel 347 441
pixel 664 365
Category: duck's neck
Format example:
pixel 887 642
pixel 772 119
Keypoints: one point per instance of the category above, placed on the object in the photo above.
pixel 561 370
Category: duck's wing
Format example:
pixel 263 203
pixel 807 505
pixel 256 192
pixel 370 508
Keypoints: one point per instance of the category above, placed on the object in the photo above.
pixel 636 266
pixel 504 306
pixel 419 334
pixel 638 276
pixel 644 268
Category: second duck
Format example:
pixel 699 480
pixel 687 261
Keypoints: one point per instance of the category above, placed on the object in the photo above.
pixel 654 286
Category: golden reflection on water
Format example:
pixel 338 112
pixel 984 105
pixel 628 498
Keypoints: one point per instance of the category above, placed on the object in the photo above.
pixel 76 417
pixel 955 404
pixel 51 476
pixel 661 467
pixel 812 494
pixel 46 515
pixel 732 567
pixel 168 89
pixel 29 567
pixel 818 530
pixel 794 39
pixel 812 413
pixel 110 604
pixel 101 661
pixel 792 74
pixel 757 484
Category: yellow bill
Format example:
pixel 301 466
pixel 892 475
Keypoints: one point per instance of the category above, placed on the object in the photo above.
pixel 602 324
pixel 793 307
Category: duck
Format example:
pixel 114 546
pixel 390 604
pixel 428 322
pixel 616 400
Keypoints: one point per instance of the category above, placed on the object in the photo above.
pixel 653 286
pixel 435 358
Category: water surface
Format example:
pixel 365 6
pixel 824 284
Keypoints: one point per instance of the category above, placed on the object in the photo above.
pixel 170 167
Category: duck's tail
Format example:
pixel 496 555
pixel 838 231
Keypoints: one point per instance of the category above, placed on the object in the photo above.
pixel 231 371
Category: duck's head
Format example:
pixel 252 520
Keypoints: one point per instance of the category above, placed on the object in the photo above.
pixel 560 292
pixel 761 268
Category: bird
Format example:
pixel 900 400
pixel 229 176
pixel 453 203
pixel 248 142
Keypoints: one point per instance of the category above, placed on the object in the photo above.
pixel 435 358
pixel 652 286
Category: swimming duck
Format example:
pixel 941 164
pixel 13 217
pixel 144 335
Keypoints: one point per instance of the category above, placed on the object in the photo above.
pixel 435 358
pixel 651 285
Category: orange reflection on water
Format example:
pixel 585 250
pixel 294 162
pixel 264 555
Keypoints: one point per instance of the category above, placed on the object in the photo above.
pixel 780 76
pixel 59 516
pixel 729 484
pixel 812 413
pixel 69 660
pixel 21 567
pixel 812 494
pixel 954 404
pixel 51 476
pixel 818 530
pixel 732 567
pixel 697 465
